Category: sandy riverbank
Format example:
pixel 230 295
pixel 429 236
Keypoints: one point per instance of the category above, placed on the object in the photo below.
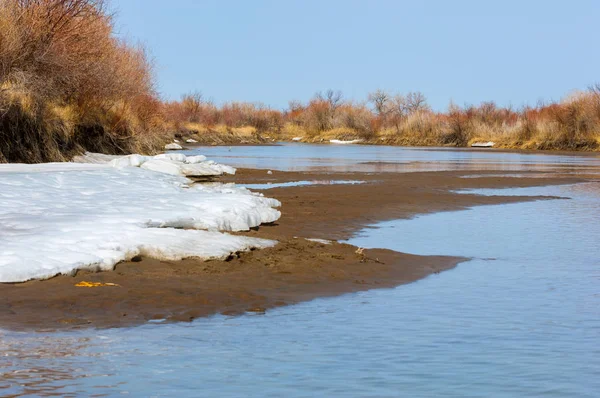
pixel 293 271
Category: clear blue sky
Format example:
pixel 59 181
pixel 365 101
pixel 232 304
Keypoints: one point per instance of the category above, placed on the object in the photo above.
pixel 510 51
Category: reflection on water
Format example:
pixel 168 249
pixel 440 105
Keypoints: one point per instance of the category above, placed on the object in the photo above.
pixel 42 365
pixel 520 319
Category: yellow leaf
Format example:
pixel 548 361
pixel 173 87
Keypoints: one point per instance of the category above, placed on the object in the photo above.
pixel 94 284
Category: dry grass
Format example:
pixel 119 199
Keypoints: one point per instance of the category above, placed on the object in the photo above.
pixel 68 85
pixel 573 124
pixel 291 131
pixel 219 134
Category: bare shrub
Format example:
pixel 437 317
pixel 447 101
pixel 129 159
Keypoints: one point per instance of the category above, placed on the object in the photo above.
pixel 458 127
pixel 58 53
pixel 416 102
pixel 381 102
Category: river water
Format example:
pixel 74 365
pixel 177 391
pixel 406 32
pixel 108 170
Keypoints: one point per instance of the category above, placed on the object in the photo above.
pixel 372 158
pixel 522 318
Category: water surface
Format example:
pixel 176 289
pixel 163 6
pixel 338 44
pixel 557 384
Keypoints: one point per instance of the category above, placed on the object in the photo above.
pixel 522 318
pixel 374 158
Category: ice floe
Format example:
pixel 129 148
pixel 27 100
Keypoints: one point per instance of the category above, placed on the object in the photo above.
pixel 173 146
pixel 59 217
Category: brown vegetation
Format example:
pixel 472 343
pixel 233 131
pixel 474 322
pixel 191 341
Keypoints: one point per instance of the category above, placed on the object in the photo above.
pixel 67 84
pixel 236 122
pixel 395 119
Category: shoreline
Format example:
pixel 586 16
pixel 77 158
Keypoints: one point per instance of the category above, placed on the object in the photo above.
pixel 295 270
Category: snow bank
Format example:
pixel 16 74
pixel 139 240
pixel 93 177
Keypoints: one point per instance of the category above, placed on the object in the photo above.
pixel 488 144
pixel 191 141
pixel 97 158
pixel 59 217
pixel 345 142
pixel 168 163
pixel 173 146
pixel 203 169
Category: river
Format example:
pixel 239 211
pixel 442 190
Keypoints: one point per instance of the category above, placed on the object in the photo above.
pixel 521 318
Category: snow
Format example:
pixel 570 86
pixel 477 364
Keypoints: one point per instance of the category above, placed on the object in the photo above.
pixel 345 142
pixel 195 159
pixel 208 168
pixel 173 146
pixel 129 161
pixel 168 163
pixel 488 144
pixel 90 157
pixel 191 141
pixel 59 217
pixel 49 167
pixel 321 241
pixel 297 138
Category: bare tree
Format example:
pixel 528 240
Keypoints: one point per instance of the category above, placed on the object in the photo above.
pixel 192 105
pixel 458 124
pixel 594 89
pixel 416 102
pixel 398 105
pixel 295 106
pixel 397 110
pixel 332 97
pixel 380 100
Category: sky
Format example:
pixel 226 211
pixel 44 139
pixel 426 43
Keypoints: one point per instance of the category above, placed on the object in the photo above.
pixel 514 52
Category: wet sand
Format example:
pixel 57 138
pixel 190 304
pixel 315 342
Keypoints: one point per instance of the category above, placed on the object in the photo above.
pixel 339 211
pixel 295 270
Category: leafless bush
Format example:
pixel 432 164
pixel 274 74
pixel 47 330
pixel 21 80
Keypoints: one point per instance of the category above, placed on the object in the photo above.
pixel 62 54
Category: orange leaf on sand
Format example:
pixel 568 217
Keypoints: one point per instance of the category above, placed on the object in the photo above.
pixel 94 284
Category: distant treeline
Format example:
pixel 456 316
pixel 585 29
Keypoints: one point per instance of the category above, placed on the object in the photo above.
pixel 391 118
pixel 68 84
